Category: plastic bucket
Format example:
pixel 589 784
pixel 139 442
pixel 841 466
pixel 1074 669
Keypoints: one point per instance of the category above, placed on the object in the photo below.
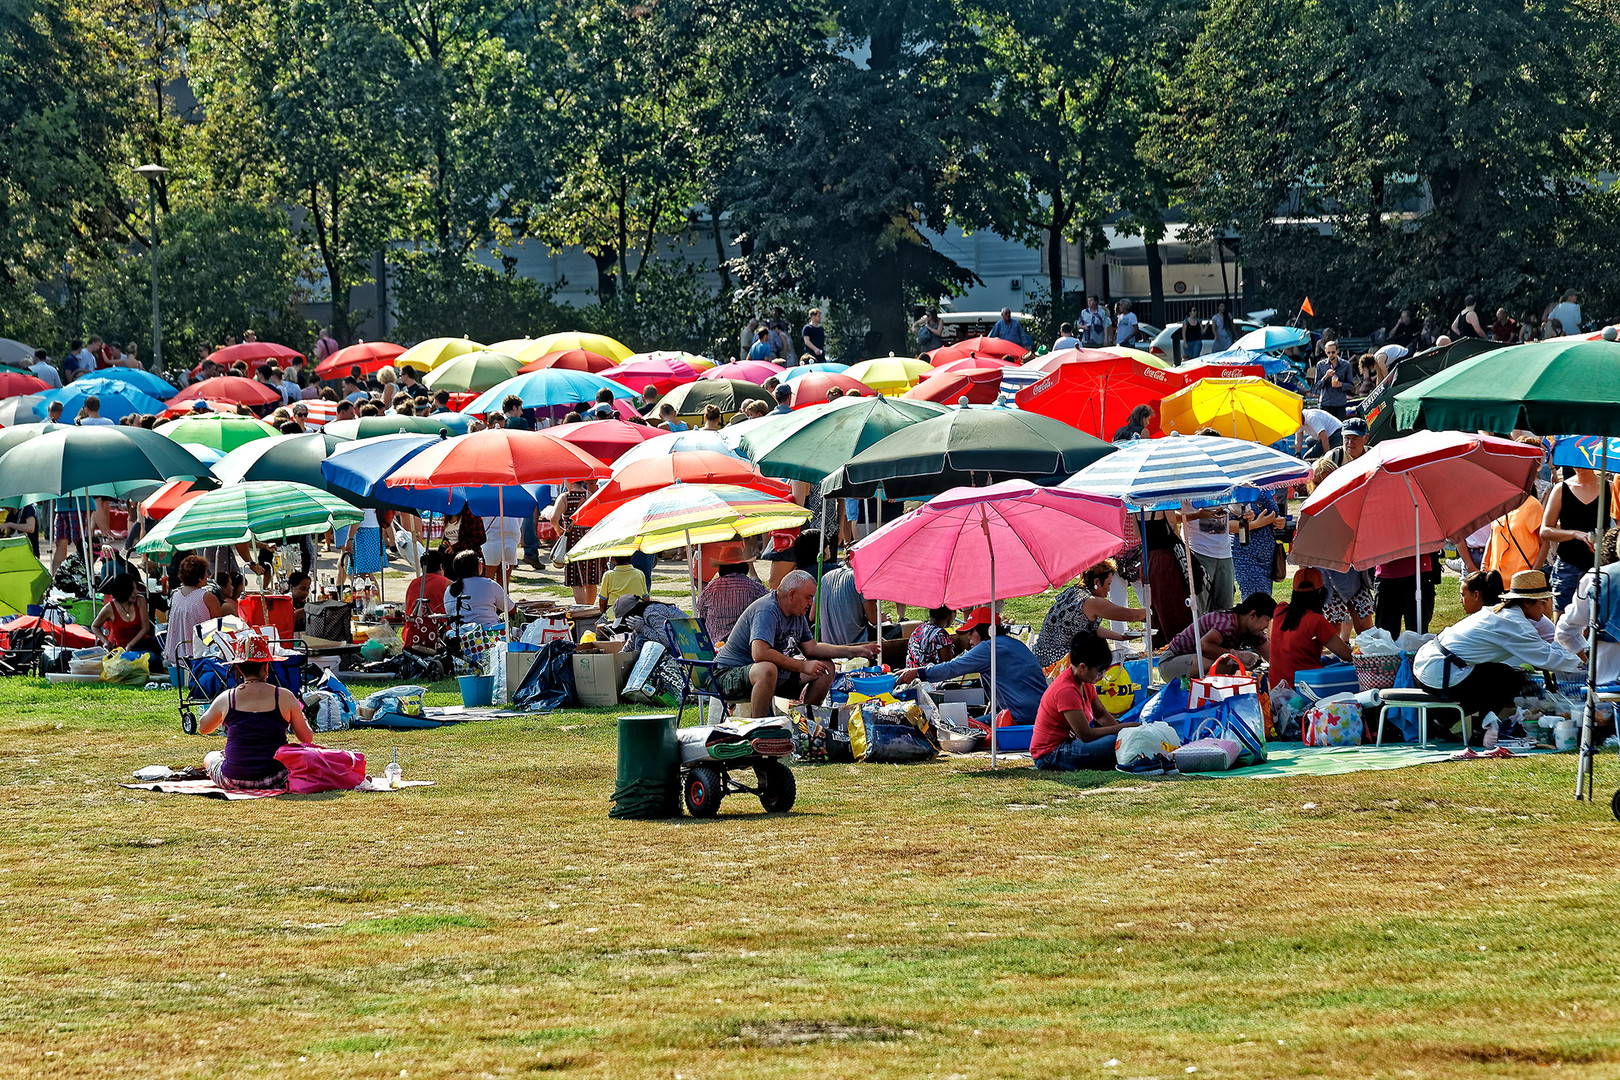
pixel 477 690
pixel 871 685
pixel 649 777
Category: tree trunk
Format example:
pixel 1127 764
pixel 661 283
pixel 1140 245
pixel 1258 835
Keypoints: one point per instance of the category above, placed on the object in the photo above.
pixel 719 249
pixel 885 314
pixel 1054 258
pixel 1155 269
pixel 607 284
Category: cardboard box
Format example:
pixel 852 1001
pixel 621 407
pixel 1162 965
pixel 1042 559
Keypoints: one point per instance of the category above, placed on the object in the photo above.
pixel 518 663
pixel 612 645
pixel 599 676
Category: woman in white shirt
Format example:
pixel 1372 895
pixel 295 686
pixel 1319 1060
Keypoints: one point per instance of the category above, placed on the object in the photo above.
pixel 472 598
pixel 1476 662
pixel 1577 618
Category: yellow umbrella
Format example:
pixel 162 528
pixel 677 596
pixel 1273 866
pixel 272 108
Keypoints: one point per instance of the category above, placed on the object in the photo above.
pixel 429 354
pixel 890 375
pixel 574 339
pixel 1249 408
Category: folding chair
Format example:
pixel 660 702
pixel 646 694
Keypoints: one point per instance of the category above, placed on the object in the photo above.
pixel 694 652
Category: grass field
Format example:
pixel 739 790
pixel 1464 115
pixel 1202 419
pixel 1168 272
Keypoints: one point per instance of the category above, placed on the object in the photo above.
pixel 934 920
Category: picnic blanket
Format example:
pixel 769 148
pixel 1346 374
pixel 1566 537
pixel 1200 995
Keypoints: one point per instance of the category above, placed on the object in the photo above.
pixel 1297 759
pixel 210 790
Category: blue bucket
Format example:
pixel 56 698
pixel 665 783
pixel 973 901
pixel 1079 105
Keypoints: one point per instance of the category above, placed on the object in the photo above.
pixel 477 690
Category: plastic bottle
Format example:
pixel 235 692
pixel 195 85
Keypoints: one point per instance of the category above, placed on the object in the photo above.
pixel 392 772
pixel 1564 734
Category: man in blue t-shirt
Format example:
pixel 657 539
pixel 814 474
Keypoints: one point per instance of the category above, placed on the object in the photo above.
pixel 1020 682
pixel 1010 329
pixel 772 649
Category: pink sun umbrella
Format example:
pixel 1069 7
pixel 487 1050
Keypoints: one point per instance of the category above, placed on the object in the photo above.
pixel 754 371
pixel 974 546
pixel 663 373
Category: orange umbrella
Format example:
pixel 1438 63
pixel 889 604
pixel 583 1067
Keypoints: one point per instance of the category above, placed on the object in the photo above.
pixel 976 346
pixel 571 360
pixel 232 388
pixel 980 386
pixel 812 389
pixel 684 467
pixel 369 356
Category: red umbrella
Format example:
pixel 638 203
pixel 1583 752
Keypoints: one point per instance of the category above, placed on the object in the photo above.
pixel 571 360
pixel 683 467
pixel 15 385
pixel 232 388
pixel 69 635
pixel 663 373
pixel 253 353
pixel 186 408
pixel 1098 397
pixel 981 386
pixel 499 456
pixel 168 498
pixel 606 439
pixel 1191 373
pixel 1053 360
pixel 369 356
pixel 812 389
pixel 977 364
pixel 976 346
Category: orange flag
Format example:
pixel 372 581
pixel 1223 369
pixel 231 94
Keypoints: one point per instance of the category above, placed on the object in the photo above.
pixel 1306 307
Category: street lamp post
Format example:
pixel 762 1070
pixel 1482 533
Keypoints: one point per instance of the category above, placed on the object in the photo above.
pixel 153 173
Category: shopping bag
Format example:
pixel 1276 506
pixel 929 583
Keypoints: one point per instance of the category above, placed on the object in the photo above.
pixel 1145 740
pixel 422 631
pixel 1334 721
pixel 1215 688
pixel 126 668
pixel 318 768
pixel 1239 719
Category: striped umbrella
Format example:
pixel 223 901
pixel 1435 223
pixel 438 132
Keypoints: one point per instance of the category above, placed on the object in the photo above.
pixel 271 510
pixel 688 467
pixel 668 442
pixel 216 431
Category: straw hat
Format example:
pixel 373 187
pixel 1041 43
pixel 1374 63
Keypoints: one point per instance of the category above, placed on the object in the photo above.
pixel 1529 585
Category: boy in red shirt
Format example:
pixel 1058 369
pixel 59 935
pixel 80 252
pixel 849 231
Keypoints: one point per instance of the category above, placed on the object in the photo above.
pixel 1072 729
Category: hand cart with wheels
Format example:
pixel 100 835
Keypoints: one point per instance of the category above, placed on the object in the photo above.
pixel 712 756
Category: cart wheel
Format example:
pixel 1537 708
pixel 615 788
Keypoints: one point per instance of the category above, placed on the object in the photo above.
pixel 705 787
pixel 188 720
pixel 1614 805
pixel 777 788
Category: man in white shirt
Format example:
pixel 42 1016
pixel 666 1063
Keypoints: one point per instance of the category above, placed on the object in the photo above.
pixel 1128 323
pixel 1209 535
pixel 1094 323
pixel 45 371
pixel 1318 433
pixel 92 414
pixel 1568 313
pixel 1065 338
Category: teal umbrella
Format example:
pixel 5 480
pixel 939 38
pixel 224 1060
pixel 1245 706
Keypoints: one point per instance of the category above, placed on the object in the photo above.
pixel 296 459
pixel 812 442
pixel 78 459
pixel 369 427
pixel 273 510
pixel 1555 387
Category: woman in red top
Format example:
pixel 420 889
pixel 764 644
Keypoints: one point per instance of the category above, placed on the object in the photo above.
pixel 123 622
pixel 1072 729
pixel 1299 630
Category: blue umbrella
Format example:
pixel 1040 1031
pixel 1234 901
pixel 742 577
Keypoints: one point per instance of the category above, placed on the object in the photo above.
pixel 139 378
pixel 456 423
pixel 806 369
pixel 1585 451
pixel 1272 365
pixel 549 386
pixel 361 467
pixel 117 401
pixel 1273 338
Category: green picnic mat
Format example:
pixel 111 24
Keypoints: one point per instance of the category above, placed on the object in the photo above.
pixel 1297 759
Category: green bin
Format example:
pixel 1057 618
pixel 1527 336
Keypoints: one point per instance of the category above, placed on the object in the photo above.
pixel 649 782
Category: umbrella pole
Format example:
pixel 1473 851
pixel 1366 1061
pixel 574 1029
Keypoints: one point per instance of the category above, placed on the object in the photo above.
pixel 1417 554
pixel 984 518
pixel 1192 594
pixel 1147 610
pixel 1583 765
pixel 85 520
pixel 691 576
pixel 879 503
pixel 506 608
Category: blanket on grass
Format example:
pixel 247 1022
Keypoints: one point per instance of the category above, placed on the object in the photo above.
pixel 1297 759
pixel 210 790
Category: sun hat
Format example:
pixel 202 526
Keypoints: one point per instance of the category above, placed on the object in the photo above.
pixel 730 552
pixel 1309 577
pixel 1529 585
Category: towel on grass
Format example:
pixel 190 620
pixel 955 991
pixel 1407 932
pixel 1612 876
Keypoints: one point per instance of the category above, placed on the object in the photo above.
pixel 210 790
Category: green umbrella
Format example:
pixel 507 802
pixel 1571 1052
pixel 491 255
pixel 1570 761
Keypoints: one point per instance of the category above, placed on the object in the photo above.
pixel 21 433
pixel 369 427
pixel 474 371
pixel 728 395
pixel 238 513
pixel 292 458
pixel 812 442
pixel 1379 406
pixel 1558 387
pixel 966 447
pixel 78 459
pixel 22 579
pixel 216 430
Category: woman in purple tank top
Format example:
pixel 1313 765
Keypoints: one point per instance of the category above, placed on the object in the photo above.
pixel 256 716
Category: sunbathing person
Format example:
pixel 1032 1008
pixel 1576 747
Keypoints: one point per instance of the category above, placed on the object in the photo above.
pixel 256 716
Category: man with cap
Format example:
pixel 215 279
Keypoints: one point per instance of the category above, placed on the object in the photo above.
pixel 1354 436
pixel 784 398
pixel 1477 662
pixel 1020 682
pixel 772 650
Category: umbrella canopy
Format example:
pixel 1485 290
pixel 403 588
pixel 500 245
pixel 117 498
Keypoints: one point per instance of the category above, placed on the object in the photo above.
pixel 892 375
pixel 685 514
pixel 1379 406
pixel 542 389
pixel 575 339
pixel 978 364
pixel 293 458
pixel 665 443
pixel 976 346
pixel 606 440
pixel 116 400
pixel 139 378
pixel 168 498
pixel 361 467
pixel 728 395
pixel 215 430
pixel 1410 495
pixel 1549 387
pixel 939 555
pixel 429 354
pixel 369 356
pixel 21 410
pixel 253 353
pixel 962 446
pixel 1161 474
pixel 187 408
pixel 106 458
pixel 229 388
pixel 67 635
pixel 472 371
pixel 1207 368
pixel 813 389
pixel 15 353
pixel 237 513
pixel 752 371
pixel 498 456
pixel 1249 408
pixel 1058 357
pixel 662 373
pixel 1273 339
pixel 568 359
pixel 1236 357
pixel 370 427
pixel 15 385
pixel 810 443
pixel 23 580
pixel 802 370
pixel 688 467
pixel 1097 396
pixel 974 386
pixel 18 434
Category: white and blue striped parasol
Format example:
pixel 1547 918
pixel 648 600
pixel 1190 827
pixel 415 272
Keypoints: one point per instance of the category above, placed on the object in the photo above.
pixel 1162 474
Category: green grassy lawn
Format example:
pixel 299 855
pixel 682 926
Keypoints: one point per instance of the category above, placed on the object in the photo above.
pixel 904 921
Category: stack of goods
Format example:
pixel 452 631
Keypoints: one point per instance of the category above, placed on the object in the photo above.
pixel 728 742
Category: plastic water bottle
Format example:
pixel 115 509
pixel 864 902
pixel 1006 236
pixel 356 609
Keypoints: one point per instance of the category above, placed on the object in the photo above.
pixel 392 772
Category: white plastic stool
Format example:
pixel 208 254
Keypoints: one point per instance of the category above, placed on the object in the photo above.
pixel 1423 702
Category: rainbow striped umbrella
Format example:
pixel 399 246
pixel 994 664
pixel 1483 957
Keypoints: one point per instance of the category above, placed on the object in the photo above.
pixel 684 514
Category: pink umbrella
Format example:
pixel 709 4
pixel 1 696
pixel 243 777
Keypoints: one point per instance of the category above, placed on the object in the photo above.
pixel 663 373
pixel 1451 482
pixel 974 546
pixel 754 371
